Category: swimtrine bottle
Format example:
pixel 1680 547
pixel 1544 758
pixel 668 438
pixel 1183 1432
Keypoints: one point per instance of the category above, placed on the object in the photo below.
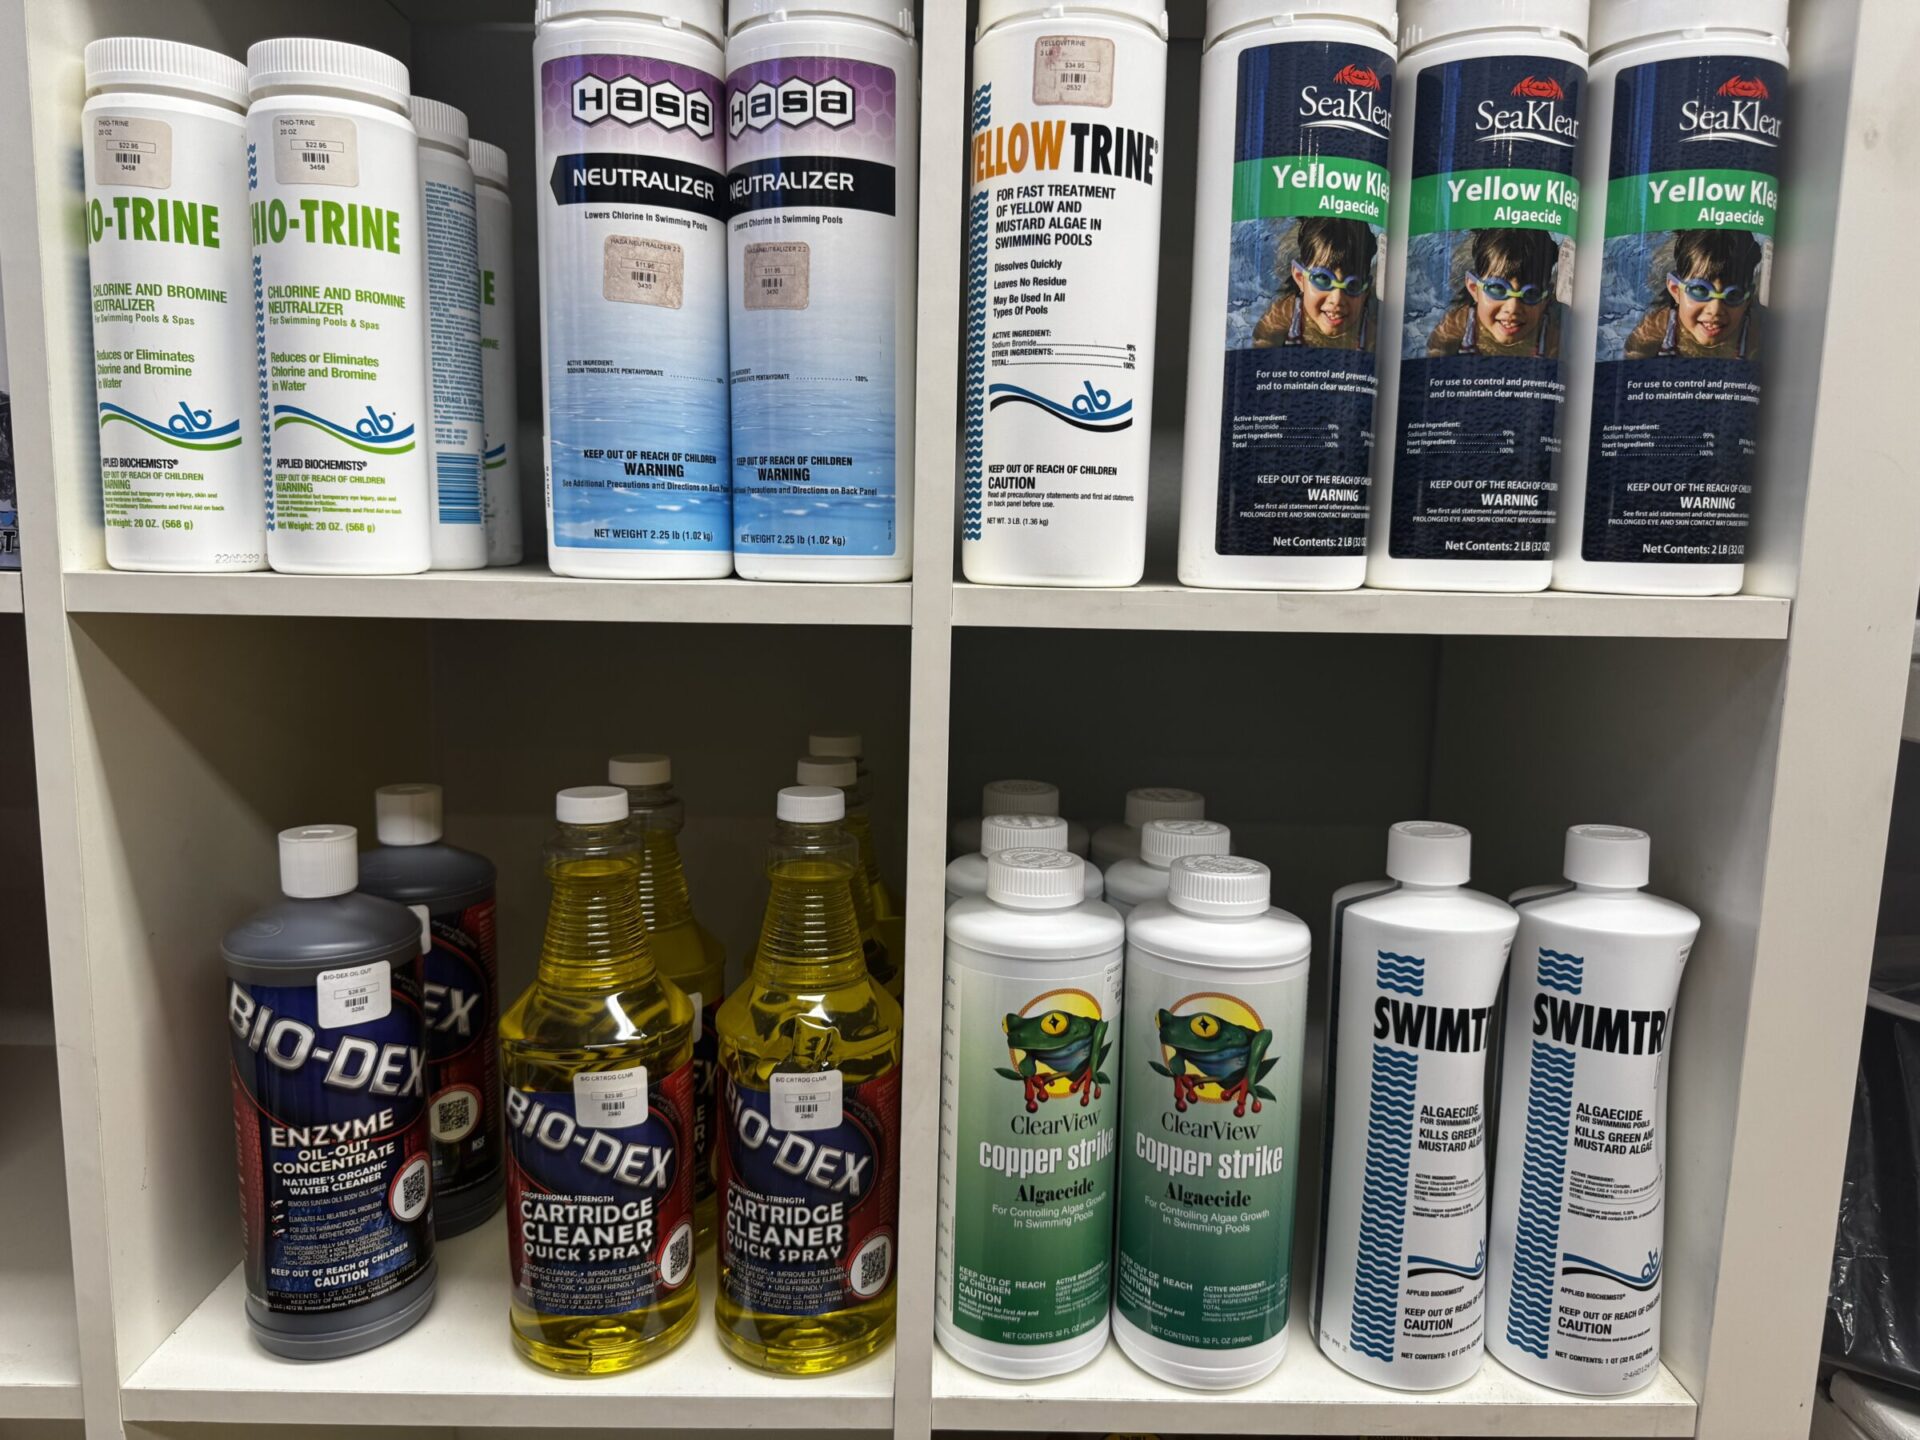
pixel 885 941
pixel 500 471
pixel 324 1013
pixel 1577 1252
pixel 967 874
pixel 1403 1244
pixel 810 1116
pixel 1028 1113
pixel 598 1053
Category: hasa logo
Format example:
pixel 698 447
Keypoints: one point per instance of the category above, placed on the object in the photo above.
pixel 1741 87
pixel 1355 107
pixel 1358 75
pixel 632 101
pixel 1532 88
pixel 796 103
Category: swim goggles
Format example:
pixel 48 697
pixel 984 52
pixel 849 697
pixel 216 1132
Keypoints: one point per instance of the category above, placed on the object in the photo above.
pixel 1325 279
pixel 1498 290
pixel 1701 291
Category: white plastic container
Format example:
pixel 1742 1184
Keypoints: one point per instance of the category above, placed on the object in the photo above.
pixel 1415 1011
pixel 163 140
pixel 1296 109
pixel 823 174
pixel 1067 167
pixel 1029 1108
pixel 456 441
pixel 1657 483
pixel 633 287
pixel 1121 840
pixel 1144 877
pixel 1013 797
pixel 1577 1248
pixel 500 468
pixel 1481 263
pixel 1216 1010
pixel 967 874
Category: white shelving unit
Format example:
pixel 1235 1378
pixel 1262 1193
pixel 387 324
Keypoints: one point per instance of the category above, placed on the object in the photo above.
pixel 177 721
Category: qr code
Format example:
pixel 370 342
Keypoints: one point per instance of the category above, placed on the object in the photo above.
pixel 873 1269
pixel 413 1191
pixel 680 1253
pixel 872 1266
pixel 676 1261
pixel 412 1188
pixel 454 1115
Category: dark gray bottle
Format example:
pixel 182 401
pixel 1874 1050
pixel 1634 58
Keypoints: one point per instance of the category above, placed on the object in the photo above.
pixel 452 891
pixel 324 1016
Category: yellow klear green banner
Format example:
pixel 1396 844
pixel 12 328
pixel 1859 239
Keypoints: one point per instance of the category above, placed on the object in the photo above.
pixel 1276 186
pixel 1693 200
pixel 1491 199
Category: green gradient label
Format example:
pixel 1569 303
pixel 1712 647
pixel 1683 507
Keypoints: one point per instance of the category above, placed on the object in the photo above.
pixel 1693 200
pixel 1493 199
pixel 1276 186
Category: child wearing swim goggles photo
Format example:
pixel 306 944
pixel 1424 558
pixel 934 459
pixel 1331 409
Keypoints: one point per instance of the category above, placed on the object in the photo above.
pixel 1707 309
pixel 1327 300
pixel 1506 305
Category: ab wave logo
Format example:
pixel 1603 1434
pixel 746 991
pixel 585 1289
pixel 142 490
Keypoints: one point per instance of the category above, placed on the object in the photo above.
pixel 1057 1042
pixel 187 428
pixel 1093 408
pixel 1215 1049
pixel 1355 106
pixel 1745 118
pixel 796 102
pixel 1541 116
pixel 375 433
pixel 632 101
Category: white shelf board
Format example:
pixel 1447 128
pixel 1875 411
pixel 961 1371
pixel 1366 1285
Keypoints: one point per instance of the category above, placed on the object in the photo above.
pixel 458 1367
pixel 520 592
pixel 39 1344
pixel 1164 605
pixel 1307 1395
pixel 9 592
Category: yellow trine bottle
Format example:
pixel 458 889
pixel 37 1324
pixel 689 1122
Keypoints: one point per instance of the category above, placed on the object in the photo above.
pixel 851 745
pixel 598 1063
pixel 683 949
pixel 884 940
pixel 810 1116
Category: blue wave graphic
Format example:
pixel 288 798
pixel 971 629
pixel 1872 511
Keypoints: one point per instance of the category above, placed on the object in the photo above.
pixel 1543 1171
pixel 1383 1203
pixel 186 426
pixel 976 336
pixel 1648 1277
pixel 375 432
pixel 1402 974
pixel 1432 1265
pixel 1091 410
pixel 1564 973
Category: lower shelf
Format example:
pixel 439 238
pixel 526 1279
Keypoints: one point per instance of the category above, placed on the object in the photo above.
pixel 458 1367
pixel 39 1345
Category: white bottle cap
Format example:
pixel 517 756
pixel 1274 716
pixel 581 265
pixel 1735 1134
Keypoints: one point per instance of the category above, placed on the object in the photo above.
pixel 1150 13
pixel 407 814
pixel 1163 802
pixel 1429 852
pixel 826 770
pixel 706 16
pixel 1164 841
pixel 811 805
pixel 1030 878
pixel 838 743
pixel 1219 885
pixel 590 805
pixel 1616 22
pixel 640 768
pixel 1019 797
pixel 133 62
pixel 489 163
pixel 317 861
pixel 439 124
pixel 1424 21
pixel 1225 15
pixel 1610 856
pixel 1009 832
pixel 298 63
pixel 881 12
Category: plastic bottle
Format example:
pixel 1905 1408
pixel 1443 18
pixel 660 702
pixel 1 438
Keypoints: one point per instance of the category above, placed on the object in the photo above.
pixel 683 949
pixel 599 1074
pixel 451 891
pixel 633 287
pixel 1029 1106
pixel 1579 1209
pixel 967 874
pixel 1680 216
pixel 809 1063
pixel 1069 105
pixel 821 338
pixel 164 147
pixel 324 1016
pixel 1296 110
pixel 500 468
pixel 1143 878
pixel 849 745
pixel 887 936
pixel 339 270
pixel 1480 264
pixel 1121 840
pixel 1216 1015
pixel 1014 797
pixel 1415 1013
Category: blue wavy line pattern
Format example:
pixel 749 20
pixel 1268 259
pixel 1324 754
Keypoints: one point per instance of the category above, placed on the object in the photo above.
pixel 976 332
pixel 1543 1171
pixel 1648 1277
pixel 260 351
pixel 1560 972
pixel 1375 1324
pixel 1402 974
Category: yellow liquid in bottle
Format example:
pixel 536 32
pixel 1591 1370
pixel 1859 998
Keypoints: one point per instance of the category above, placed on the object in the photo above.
pixel 883 942
pixel 810 1006
pixel 597 1004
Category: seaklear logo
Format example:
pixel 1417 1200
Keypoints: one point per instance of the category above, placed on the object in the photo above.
pixel 1354 105
pixel 1745 117
pixel 1540 116
pixel 795 103
pixel 1535 89
pixel 632 101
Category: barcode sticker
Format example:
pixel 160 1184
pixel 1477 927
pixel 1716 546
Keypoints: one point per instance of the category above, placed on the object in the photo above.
pixel 132 150
pixel 315 150
pixel 354 995
pixel 1073 70
pixel 610 1099
pixel 805 1102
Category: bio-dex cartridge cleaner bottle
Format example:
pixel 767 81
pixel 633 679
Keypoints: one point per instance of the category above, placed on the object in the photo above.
pixel 329 1070
pixel 164 151
pixel 1063 235
pixel 823 180
pixel 599 1085
pixel 633 286
pixel 849 745
pixel 885 941
pixel 810 1116
pixel 1296 110
pixel 1216 1015
pixel 1028 1108
pixel 500 472
pixel 456 440
pixel 1686 124
pixel 967 874
pixel 1577 1249
pixel 1480 260
pixel 1014 797
pixel 684 950
pixel 339 288
pixel 1121 839
pixel 1143 878
pixel 1403 1242
pixel 451 890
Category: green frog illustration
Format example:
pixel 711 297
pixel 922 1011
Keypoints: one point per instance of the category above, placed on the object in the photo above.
pixel 1209 1050
pixel 1072 1049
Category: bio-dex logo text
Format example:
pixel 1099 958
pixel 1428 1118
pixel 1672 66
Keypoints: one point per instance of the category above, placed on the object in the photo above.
pixel 1745 116
pixel 632 1163
pixel 794 103
pixel 353 1063
pixel 632 101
